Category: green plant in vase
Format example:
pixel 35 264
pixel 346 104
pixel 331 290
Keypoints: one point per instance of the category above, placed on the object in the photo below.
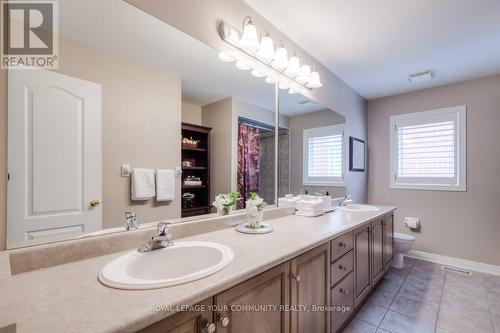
pixel 225 202
pixel 255 210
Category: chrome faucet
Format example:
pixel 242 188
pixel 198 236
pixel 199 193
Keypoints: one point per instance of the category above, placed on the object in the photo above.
pixel 160 240
pixel 345 200
pixel 131 221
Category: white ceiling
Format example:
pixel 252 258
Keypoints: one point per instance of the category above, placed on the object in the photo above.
pixel 120 29
pixel 373 45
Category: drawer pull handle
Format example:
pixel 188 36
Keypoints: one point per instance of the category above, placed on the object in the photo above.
pixel 342 244
pixel 343 291
pixel 208 327
pixel 343 267
pixel 296 277
pixel 223 320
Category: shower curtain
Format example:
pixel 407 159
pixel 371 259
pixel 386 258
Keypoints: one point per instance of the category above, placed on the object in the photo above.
pixel 248 162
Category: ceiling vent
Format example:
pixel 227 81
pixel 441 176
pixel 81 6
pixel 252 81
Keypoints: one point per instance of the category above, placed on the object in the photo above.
pixel 421 76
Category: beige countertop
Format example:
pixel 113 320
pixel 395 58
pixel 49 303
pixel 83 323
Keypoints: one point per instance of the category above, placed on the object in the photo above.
pixel 69 298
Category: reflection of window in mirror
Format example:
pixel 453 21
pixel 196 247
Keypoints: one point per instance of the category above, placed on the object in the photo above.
pixel 324 156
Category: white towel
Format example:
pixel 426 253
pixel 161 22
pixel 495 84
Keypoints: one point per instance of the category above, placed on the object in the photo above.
pixel 165 185
pixel 311 207
pixel 143 184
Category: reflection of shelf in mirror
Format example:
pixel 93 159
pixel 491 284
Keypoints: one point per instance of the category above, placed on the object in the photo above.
pixel 193 186
pixel 194 168
pixel 193 148
pixel 194 208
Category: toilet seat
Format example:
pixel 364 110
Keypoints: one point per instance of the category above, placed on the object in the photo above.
pixel 403 238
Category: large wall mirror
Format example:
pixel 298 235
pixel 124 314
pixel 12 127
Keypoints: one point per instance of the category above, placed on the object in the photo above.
pixel 132 105
pixel 312 148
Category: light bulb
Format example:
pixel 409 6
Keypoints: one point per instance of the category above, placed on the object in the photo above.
pixel 305 74
pixel 224 57
pixel 241 65
pixel 293 68
pixel 271 80
pixel 280 61
pixel 283 85
pixel 315 81
pixel 266 50
pixel 249 38
pixel 258 73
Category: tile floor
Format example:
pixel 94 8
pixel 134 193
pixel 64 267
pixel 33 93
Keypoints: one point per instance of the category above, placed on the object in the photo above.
pixel 422 298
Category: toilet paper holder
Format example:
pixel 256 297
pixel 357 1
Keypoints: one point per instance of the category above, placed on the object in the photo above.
pixel 413 223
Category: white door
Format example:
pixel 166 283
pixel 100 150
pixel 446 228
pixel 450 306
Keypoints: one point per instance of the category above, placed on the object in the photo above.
pixel 54 156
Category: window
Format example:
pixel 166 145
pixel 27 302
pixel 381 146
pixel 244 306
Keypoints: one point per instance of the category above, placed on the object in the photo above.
pixel 324 156
pixel 428 150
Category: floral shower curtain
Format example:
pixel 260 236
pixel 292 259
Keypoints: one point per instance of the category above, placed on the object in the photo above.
pixel 248 162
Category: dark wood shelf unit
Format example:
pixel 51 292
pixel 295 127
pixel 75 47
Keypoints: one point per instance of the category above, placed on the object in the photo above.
pixel 194 168
pixel 201 168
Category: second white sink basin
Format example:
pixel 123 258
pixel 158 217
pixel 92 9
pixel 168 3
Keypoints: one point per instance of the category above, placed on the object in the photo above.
pixel 359 208
pixel 178 264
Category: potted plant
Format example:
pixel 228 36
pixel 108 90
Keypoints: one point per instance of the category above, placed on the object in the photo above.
pixel 225 202
pixel 255 210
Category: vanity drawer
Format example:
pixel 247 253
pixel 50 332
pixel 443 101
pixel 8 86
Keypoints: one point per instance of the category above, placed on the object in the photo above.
pixel 341 267
pixel 341 245
pixel 342 301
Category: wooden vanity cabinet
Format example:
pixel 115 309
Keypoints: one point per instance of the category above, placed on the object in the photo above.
pixel 388 240
pixel 340 273
pixel 186 322
pixel 362 258
pixel 378 233
pixel 268 288
pixel 310 286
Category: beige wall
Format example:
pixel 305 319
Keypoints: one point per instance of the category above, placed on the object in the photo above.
pixel 297 125
pixel 141 117
pixel 191 113
pixel 457 224
pixel 218 116
pixel 201 19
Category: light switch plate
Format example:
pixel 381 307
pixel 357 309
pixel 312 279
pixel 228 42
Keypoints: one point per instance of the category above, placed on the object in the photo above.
pixel 178 172
pixel 126 170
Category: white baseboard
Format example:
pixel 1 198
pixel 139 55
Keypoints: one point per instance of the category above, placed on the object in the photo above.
pixel 455 262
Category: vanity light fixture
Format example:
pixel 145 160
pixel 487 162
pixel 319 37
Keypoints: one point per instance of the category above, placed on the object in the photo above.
pixel 293 68
pixel 226 58
pixel 266 49
pixel 305 74
pixel 257 73
pixel 315 80
pixel 249 39
pixel 280 61
pixel 264 60
pixel 243 66
pixel 271 80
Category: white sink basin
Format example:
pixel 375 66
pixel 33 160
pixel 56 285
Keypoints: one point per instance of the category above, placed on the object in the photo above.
pixel 178 264
pixel 359 208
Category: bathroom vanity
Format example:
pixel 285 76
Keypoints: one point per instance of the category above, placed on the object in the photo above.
pixel 322 288
pixel 332 260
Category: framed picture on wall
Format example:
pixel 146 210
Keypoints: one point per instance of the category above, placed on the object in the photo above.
pixel 356 154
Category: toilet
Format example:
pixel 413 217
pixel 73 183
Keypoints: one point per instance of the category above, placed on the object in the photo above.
pixel 402 244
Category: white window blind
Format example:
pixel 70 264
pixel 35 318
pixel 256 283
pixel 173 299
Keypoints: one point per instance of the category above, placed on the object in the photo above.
pixel 323 156
pixel 429 149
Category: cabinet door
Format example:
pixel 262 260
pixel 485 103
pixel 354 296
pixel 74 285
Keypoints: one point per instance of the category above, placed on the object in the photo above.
pixel 266 289
pixel 310 279
pixel 199 321
pixel 377 250
pixel 362 244
pixel 388 239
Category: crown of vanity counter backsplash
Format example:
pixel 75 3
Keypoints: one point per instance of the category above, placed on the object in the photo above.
pixel 48 255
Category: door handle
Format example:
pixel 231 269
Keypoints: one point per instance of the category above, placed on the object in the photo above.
pixel 94 203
